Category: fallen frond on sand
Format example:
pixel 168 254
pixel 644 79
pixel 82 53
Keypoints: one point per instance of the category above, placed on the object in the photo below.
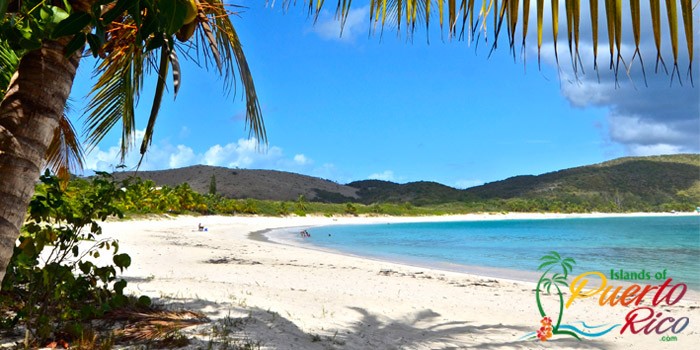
pixel 153 325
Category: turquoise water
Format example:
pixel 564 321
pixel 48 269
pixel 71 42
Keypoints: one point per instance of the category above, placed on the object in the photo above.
pixel 597 244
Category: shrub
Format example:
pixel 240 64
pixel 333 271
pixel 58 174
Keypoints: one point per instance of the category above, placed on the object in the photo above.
pixel 51 282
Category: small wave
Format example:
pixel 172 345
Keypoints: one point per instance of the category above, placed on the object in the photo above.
pixel 588 331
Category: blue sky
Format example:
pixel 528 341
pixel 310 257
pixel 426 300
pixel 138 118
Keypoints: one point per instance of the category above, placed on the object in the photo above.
pixel 357 106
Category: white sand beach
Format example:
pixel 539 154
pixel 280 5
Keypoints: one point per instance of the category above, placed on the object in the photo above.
pixel 288 297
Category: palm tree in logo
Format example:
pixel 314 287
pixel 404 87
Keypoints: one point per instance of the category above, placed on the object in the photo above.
pixel 550 279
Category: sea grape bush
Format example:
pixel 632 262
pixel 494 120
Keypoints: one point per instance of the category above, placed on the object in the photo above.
pixel 54 282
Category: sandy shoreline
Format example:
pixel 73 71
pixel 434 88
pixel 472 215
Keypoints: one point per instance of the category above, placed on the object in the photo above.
pixel 289 297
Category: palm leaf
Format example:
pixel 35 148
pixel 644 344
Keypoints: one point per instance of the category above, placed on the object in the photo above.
pixel 411 12
pixel 555 27
pixel 636 31
pixel 177 73
pixel 672 13
pixel 116 92
pixel 211 41
pixel 65 153
pixel 526 20
pixel 555 254
pixel 568 265
pixel 552 255
pixel 3 7
pixel 9 61
pixel 618 30
pixel 224 48
pixel 513 7
pixel 545 264
pixel 560 280
pixel 567 268
pixel 157 98
pixel 113 101
pixel 594 31
pixel 547 284
pixel 656 25
pixel 687 10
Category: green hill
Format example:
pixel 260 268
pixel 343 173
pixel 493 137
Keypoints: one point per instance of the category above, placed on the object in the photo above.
pixel 632 183
pixel 417 193
pixel 247 183
pixel 657 183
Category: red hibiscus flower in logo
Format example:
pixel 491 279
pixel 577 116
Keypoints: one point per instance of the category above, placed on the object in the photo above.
pixel 545 332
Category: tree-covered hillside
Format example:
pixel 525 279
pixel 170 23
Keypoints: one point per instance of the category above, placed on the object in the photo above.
pixel 626 183
pixel 657 183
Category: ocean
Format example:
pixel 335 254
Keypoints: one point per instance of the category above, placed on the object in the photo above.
pixel 665 245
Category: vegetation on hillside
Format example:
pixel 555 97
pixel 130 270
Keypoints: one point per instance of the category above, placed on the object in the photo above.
pixel 658 183
pixel 417 193
pixel 649 184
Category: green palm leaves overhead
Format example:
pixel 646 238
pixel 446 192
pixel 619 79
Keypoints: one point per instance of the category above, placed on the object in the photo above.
pixel 137 39
pixel 472 18
pixel 140 38
pixel 132 40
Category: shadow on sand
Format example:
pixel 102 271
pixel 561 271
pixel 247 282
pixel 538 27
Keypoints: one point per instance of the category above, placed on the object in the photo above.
pixel 251 328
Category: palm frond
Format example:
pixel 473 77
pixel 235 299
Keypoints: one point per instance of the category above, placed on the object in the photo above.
pixel 551 256
pixel 116 92
pixel 225 49
pixel 407 14
pixel 687 10
pixel 8 66
pixel 560 280
pixel 568 265
pixel 547 284
pixel 567 268
pixel 546 263
pixel 65 153
pixel 157 98
pixel 656 26
pixel 153 324
pixel 128 57
pixel 177 73
pixel 593 8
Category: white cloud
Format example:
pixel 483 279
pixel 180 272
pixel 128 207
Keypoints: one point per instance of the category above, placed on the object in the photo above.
pixel 356 24
pixel 386 175
pixel 182 158
pixel 657 149
pixel 635 130
pixel 645 115
pixel 301 159
pixel 102 160
pixel 244 153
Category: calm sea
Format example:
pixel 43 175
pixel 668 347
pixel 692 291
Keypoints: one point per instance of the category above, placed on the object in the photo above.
pixel 633 244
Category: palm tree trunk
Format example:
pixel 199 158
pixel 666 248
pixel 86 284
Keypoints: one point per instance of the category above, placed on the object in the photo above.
pixel 29 116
